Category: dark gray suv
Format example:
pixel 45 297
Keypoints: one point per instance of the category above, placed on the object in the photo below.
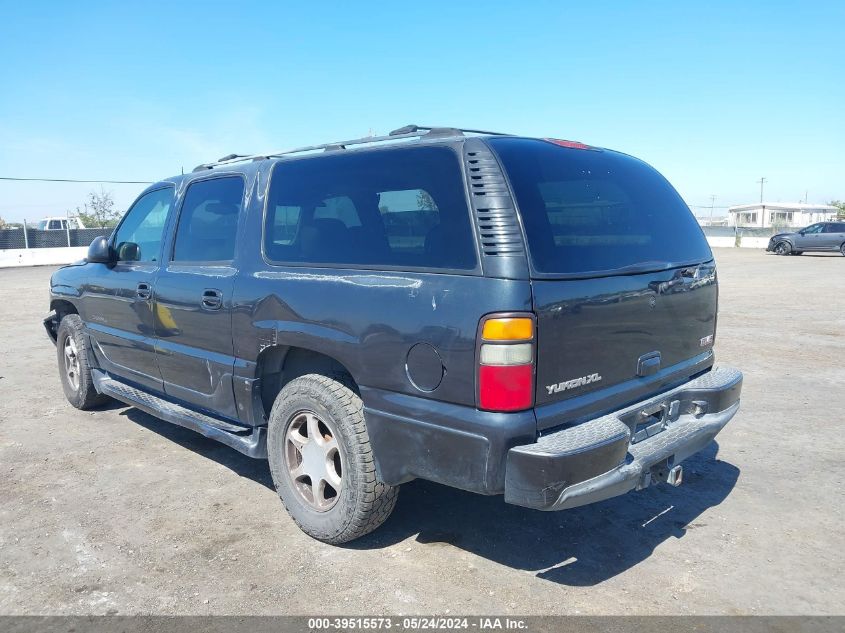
pixel 506 315
pixel 820 237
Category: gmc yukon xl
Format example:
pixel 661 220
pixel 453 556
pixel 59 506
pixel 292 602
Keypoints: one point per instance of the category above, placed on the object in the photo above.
pixel 506 315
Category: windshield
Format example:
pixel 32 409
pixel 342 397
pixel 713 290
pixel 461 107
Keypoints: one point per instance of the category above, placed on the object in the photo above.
pixel 597 211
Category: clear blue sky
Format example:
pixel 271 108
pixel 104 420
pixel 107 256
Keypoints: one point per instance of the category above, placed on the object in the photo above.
pixel 715 95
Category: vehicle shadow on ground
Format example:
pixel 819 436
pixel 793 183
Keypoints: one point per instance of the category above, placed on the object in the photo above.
pixel 111 405
pixel 579 547
pixel 240 464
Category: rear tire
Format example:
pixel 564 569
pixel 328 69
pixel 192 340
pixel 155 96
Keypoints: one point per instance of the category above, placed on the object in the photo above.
pixel 783 248
pixel 842 248
pixel 317 433
pixel 74 368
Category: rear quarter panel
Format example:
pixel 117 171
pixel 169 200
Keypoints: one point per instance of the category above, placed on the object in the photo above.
pixel 369 320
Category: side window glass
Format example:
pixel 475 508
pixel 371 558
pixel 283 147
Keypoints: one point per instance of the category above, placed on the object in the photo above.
pixel 338 208
pixel 282 231
pixel 398 208
pixel 208 222
pixel 833 228
pixel 55 225
pixel 815 228
pixel 138 238
pixel 409 217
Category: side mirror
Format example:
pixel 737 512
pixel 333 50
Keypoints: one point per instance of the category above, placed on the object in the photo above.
pixel 128 252
pixel 99 251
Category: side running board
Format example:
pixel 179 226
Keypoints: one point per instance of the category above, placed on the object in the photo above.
pixel 249 441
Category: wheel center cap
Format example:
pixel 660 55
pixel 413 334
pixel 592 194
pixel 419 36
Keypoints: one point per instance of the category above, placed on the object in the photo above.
pixel 313 459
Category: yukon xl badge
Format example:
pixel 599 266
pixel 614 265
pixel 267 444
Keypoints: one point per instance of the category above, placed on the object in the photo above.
pixel 572 384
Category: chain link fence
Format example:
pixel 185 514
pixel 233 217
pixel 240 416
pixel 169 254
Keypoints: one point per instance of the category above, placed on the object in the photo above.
pixel 34 238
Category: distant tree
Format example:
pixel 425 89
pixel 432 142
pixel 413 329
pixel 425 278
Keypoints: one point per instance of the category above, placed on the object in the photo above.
pixel 425 201
pixel 98 210
pixel 2 223
pixel 839 204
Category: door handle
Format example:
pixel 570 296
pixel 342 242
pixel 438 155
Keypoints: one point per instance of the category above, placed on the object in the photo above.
pixel 212 299
pixel 144 291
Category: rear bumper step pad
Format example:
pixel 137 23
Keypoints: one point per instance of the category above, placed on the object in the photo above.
pixel 597 460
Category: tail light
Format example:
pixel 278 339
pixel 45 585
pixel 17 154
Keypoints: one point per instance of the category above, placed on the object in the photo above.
pixel 569 144
pixel 506 363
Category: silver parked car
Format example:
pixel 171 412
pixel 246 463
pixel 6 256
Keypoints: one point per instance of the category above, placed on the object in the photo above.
pixel 819 237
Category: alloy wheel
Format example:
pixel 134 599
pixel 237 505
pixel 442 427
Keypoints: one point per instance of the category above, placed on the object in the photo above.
pixel 71 362
pixel 313 460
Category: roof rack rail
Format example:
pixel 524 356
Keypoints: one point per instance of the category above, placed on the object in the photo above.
pixel 408 131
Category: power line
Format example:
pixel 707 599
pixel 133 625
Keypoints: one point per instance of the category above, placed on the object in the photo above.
pixel 105 182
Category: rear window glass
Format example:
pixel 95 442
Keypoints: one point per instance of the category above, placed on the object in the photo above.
pixel 398 207
pixel 590 211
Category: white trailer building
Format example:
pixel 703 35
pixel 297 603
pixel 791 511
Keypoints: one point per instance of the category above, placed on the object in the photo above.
pixel 779 214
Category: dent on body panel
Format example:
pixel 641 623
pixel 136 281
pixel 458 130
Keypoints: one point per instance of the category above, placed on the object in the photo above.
pixel 330 310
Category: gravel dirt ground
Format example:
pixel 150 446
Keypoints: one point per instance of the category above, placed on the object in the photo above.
pixel 113 511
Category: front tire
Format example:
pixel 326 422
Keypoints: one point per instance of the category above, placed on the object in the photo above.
pixel 842 248
pixel 74 368
pixel 783 248
pixel 322 462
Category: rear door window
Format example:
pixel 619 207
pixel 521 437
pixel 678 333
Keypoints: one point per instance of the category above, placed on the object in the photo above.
pixel 403 208
pixel 208 222
pixel 597 211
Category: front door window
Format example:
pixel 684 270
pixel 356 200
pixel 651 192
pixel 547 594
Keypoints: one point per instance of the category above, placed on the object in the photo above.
pixel 138 238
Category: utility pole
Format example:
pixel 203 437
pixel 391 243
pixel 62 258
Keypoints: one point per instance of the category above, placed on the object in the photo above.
pixel 712 205
pixel 762 181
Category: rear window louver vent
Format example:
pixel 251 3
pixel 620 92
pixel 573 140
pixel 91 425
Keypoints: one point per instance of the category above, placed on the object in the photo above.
pixel 492 205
